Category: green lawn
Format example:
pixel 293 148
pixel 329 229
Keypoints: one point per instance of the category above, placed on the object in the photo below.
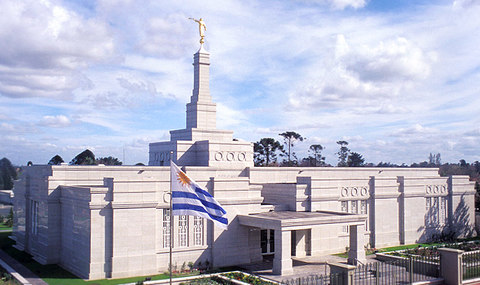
pixel 4 227
pixel 392 248
pixel 55 275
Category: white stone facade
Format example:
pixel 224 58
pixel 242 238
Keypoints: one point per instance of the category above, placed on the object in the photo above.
pixel 113 221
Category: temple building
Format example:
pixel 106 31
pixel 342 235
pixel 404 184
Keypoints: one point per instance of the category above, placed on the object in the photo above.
pixel 114 221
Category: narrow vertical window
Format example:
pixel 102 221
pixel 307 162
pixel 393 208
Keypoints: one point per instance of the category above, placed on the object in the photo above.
pixel 435 211
pixel 183 230
pixel 344 206
pixel 166 228
pixel 364 211
pixel 198 230
pixel 354 207
pixel 34 217
pixel 443 210
pixel 363 207
pixel 428 213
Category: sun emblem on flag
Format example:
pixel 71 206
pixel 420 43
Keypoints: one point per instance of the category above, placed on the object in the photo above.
pixel 183 178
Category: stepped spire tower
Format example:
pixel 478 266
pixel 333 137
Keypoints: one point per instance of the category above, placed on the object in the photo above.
pixel 201 143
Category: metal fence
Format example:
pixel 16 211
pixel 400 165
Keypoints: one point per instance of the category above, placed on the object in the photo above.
pixel 471 265
pixel 329 279
pixel 402 271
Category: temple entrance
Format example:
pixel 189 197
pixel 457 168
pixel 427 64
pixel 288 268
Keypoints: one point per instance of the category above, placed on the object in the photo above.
pixel 267 242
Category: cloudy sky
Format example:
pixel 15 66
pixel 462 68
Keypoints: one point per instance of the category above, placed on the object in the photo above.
pixel 396 79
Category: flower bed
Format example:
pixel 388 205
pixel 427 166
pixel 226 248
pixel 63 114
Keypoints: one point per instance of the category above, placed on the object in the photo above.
pixel 247 278
pixel 432 251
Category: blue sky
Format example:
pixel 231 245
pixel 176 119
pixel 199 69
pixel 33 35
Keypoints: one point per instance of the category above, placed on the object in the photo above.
pixel 396 79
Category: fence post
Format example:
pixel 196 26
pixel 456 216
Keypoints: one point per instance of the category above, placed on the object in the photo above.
pixel 377 275
pixel 451 265
pixel 410 271
pixel 345 270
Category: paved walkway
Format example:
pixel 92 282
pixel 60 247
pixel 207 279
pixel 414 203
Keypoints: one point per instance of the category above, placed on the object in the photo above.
pixel 302 267
pixel 31 277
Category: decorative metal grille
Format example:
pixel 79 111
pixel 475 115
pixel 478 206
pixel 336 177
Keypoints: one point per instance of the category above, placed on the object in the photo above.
pixel 166 228
pixel 34 216
pixel 428 214
pixel 443 210
pixel 183 230
pixel 354 207
pixel 363 207
pixel 198 230
pixel 344 206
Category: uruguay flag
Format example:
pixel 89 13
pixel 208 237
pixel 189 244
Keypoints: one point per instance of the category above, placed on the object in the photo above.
pixel 189 199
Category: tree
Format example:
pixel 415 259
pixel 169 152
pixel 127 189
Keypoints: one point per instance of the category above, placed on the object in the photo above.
pixel 108 161
pixel 316 158
pixel 9 221
pixel 8 173
pixel 289 139
pixel 86 157
pixel 265 151
pixel 434 159
pixel 56 160
pixel 355 160
pixel 343 153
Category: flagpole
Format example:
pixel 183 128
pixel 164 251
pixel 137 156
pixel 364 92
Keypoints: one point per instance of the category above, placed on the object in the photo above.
pixel 171 217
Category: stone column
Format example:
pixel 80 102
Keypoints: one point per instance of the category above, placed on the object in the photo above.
pixel 282 262
pixel 451 266
pixel 357 250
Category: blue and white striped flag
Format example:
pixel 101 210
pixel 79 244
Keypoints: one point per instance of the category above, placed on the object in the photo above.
pixel 189 199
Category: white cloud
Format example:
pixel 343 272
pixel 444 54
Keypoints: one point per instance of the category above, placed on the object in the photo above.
pixel 363 75
pixel 339 4
pixel 5 127
pixel 465 3
pixel 59 121
pixel 48 46
pixel 126 69
pixel 414 130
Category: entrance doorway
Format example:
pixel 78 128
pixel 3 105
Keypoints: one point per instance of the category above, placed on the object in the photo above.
pixel 267 241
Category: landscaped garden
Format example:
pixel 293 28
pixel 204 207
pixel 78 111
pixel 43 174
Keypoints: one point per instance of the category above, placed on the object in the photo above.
pixel 55 275
pixel 224 279
pixel 6 223
pixel 431 250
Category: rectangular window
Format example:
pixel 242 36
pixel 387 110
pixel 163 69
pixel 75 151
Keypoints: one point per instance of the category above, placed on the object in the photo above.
pixel 34 217
pixel 344 206
pixel 364 211
pixel 428 213
pixel 354 207
pixel 183 230
pixel 345 229
pixel 435 211
pixel 443 210
pixel 363 207
pixel 166 228
pixel 198 230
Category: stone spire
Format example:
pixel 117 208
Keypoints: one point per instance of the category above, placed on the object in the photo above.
pixel 201 111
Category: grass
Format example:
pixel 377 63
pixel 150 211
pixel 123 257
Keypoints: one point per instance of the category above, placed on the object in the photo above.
pixel 4 227
pixel 392 248
pixel 55 275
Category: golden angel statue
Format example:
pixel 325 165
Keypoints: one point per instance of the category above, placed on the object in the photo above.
pixel 201 28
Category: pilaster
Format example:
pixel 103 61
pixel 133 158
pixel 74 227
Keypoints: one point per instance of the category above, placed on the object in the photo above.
pixel 282 262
